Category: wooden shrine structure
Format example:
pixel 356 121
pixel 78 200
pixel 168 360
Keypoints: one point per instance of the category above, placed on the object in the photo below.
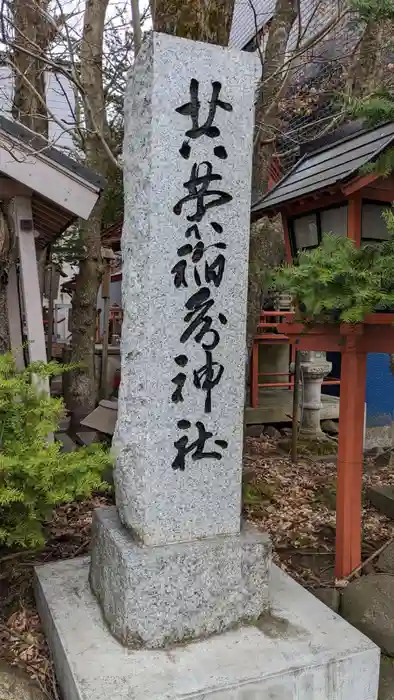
pixel 332 191
pixel 43 192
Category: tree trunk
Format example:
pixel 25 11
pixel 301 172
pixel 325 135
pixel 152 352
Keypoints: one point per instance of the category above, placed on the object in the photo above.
pixel 366 74
pixel 82 395
pixel 32 33
pixel 5 345
pixel 7 241
pixel 273 87
pixel 266 248
pixel 201 20
pixel 82 387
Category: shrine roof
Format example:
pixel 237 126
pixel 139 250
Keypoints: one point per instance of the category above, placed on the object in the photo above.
pixel 60 188
pixel 40 145
pixel 330 165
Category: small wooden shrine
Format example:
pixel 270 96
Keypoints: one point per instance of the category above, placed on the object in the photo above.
pixel 43 191
pixel 335 190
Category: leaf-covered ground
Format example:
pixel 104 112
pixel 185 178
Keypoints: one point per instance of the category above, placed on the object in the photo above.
pixel 294 503
pixel 22 642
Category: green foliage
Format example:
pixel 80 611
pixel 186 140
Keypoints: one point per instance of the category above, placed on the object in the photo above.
pixel 383 165
pixel 376 107
pixel 68 248
pixel 35 475
pixel 373 10
pixel 338 282
pixel 113 198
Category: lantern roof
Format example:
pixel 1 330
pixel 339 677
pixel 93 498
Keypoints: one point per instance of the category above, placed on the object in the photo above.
pixel 326 167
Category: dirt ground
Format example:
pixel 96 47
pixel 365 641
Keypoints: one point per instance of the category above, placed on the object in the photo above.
pixel 294 503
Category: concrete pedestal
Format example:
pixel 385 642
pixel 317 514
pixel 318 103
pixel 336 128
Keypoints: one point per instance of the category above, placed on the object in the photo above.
pixel 155 596
pixel 301 651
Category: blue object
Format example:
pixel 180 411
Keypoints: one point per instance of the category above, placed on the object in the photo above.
pixel 379 393
pixel 379 390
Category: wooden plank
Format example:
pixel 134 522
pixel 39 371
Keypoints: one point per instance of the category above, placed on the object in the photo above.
pixel 325 200
pixel 37 172
pixel 275 406
pixel 350 461
pixel 254 378
pixel 383 319
pixel 14 317
pixel 383 195
pixel 21 213
pixel 289 254
pixel 358 183
pixel 104 388
pixel 354 218
pixel 381 345
pixel 53 289
pixel 323 343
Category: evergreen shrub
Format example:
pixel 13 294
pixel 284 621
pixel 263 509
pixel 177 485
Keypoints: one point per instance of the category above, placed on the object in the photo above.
pixel 35 475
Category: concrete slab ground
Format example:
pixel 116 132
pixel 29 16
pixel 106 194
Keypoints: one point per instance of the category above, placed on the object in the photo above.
pixel 301 651
pixel 276 406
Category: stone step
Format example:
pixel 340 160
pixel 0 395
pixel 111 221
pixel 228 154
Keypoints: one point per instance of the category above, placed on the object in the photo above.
pixel 68 444
pixel 301 651
pixel 87 437
pixel 382 497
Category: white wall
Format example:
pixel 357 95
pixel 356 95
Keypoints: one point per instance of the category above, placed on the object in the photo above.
pixel 248 13
pixel 60 101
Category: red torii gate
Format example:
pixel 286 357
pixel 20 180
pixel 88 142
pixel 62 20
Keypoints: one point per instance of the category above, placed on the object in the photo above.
pixel 326 187
pixel 353 341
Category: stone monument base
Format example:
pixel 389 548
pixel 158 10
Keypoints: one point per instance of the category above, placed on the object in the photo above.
pixel 301 651
pixel 159 596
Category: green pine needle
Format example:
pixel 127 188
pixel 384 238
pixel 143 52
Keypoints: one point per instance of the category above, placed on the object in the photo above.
pixel 35 475
pixel 338 282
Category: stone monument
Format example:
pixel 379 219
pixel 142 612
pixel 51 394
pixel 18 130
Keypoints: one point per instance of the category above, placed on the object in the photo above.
pixel 175 564
pixel 182 605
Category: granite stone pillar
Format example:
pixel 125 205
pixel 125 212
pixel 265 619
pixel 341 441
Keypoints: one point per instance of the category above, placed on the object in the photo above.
pixel 171 562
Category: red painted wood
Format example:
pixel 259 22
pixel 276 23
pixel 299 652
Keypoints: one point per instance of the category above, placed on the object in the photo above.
pixel 325 200
pixel 379 319
pixel 358 183
pixel 350 462
pixel 382 343
pixel 254 370
pixel 386 196
pixel 289 255
pixel 377 336
pixel 354 341
pixel 282 314
pixel 274 172
pixel 269 338
pixel 354 218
